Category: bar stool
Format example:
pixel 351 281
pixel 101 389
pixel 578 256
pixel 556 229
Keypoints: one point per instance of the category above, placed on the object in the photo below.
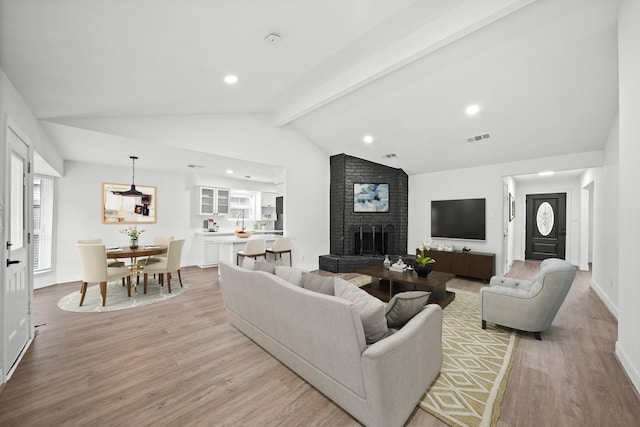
pixel 281 246
pixel 253 249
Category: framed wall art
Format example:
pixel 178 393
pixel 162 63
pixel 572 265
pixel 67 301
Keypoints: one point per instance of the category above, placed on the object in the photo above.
pixel 119 209
pixel 371 197
pixel 512 207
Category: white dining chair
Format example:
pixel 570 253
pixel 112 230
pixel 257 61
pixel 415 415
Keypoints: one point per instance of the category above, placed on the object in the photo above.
pixel 280 246
pixel 93 259
pixel 158 241
pixel 110 263
pixel 166 266
pixel 253 249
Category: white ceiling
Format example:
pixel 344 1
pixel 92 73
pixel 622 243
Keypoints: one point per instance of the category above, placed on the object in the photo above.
pixel 543 71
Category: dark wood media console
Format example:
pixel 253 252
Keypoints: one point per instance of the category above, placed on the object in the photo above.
pixel 477 265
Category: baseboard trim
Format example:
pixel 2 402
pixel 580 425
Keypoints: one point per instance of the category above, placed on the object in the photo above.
pixel 605 299
pixel 628 368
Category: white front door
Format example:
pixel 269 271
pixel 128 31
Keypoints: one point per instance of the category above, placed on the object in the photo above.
pixel 16 288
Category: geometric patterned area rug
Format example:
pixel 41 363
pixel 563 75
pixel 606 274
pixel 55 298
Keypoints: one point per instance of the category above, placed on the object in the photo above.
pixel 475 369
pixel 117 298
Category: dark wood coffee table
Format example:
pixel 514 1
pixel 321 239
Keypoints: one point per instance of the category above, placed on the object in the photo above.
pixel 436 283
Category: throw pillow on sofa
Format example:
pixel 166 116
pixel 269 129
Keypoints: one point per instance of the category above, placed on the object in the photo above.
pixel 248 263
pixel 370 308
pixel 317 283
pixel 292 275
pixel 403 306
pixel 262 265
pixel 258 265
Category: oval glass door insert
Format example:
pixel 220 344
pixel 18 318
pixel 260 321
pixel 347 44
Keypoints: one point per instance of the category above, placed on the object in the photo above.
pixel 545 219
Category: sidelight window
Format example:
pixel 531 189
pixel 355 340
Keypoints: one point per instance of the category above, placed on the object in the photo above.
pixel 42 223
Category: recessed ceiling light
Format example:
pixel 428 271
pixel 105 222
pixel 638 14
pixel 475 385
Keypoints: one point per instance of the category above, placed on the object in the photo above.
pixel 368 139
pixel 472 110
pixel 231 79
pixel 546 173
pixel 229 171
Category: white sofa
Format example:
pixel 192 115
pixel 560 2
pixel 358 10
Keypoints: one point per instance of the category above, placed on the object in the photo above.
pixel 321 338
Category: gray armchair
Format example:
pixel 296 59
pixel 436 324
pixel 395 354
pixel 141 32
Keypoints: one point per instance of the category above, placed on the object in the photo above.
pixel 527 305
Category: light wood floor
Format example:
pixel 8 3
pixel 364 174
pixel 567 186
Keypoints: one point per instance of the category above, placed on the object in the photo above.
pixel 180 363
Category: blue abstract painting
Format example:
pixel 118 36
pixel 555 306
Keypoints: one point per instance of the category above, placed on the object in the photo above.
pixel 371 197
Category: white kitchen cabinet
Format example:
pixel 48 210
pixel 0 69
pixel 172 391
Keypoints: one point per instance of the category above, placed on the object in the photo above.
pixel 268 200
pixel 268 207
pixel 222 201
pixel 214 201
pixel 210 254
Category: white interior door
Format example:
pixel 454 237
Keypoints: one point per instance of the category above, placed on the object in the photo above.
pixel 17 281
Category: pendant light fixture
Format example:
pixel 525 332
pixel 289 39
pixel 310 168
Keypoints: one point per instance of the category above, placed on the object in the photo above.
pixel 132 192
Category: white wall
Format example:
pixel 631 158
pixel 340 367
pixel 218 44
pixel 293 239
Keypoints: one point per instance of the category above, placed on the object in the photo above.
pixel 628 345
pixel 486 182
pixel 510 243
pixel 12 104
pixel 604 277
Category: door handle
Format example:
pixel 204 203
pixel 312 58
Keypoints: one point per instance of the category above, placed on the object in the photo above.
pixel 9 262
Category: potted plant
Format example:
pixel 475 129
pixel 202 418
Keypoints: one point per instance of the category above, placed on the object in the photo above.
pixel 423 263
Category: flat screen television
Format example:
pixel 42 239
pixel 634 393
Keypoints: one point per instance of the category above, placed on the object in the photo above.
pixel 458 219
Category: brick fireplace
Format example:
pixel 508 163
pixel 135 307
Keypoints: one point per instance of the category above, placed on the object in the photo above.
pixel 359 239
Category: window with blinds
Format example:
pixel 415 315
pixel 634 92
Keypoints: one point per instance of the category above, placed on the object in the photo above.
pixel 42 223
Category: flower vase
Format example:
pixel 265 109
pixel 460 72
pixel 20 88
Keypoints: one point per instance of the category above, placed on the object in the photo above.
pixel 423 270
pixel 133 243
pixel 386 263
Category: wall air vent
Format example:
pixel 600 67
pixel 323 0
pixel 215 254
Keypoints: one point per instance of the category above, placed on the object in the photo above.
pixel 389 156
pixel 478 138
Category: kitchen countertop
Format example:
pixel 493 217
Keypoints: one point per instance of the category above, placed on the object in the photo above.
pixel 229 237
pixel 230 233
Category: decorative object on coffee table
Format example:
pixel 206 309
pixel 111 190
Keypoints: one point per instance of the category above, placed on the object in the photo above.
pixel 423 263
pixel 386 263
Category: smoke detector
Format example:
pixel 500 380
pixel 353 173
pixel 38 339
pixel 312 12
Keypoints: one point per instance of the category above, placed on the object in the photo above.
pixel 272 38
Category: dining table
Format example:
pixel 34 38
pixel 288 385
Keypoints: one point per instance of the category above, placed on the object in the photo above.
pixel 133 254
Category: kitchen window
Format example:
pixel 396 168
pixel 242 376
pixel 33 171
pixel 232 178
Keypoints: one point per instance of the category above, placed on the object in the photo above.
pixel 242 204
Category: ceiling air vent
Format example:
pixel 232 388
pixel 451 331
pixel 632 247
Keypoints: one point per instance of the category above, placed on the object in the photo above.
pixel 389 156
pixel 195 166
pixel 478 138
pixel 272 38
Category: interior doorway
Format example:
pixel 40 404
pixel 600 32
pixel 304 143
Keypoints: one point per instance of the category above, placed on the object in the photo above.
pixel 546 226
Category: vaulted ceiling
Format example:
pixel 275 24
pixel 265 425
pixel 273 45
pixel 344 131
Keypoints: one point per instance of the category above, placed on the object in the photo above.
pixel 543 72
